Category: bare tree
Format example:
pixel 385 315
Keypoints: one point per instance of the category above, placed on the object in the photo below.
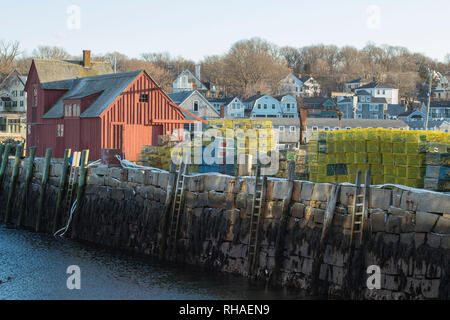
pixel 9 51
pixel 49 52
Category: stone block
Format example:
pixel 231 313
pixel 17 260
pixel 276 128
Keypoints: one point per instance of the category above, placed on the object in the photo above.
pixel 148 178
pixel 307 190
pixel 195 183
pixel 216 182
pixel 190 199
pixel 279 189
pixel 380 198
pixel 296 192
pixel 432 202
pixel 120 174
pixel 99 170
pixel 136 175
pixel 442 226
pixel 56 169
pixel 217 200
pixel 396 211
pixel 425 221
pixel 274 210
pixel 298 210
pixel 346 195
pixel 378 221
pixel 95 179
pixel 318 215
pixel 408 223
pixel 163 179
pixel 409 201
pixel 321 192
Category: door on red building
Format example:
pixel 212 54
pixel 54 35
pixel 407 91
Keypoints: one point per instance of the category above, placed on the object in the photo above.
pixel 156 131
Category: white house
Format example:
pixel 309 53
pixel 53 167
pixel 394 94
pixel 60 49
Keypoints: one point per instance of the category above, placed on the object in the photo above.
pixel 289 107
pixel 263 106
pixel 442 89
pixel 299 87
pixel 380 90
pixel 233 106
pixel 187 81
pixel 13 106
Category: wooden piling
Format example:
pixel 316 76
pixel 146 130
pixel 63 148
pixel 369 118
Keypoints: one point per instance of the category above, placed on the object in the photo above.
pixel 2 149
pixel 28 178
pixel 80 191
pixel 4 164
pixel 12 183
pixel 167 205
pixel 48 158
pixel 329 213
pixel 280 241
pixel 62 186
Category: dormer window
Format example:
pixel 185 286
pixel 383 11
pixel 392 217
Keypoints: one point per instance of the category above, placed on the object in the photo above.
pixel 68 110
pixel 72 110
pixel 76 110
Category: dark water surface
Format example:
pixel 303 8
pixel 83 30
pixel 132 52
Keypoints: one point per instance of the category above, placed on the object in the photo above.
pixel 33 266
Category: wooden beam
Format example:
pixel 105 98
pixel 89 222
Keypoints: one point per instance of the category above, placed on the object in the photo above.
pixel 176 121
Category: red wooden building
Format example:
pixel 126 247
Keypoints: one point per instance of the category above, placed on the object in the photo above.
pixel 110 111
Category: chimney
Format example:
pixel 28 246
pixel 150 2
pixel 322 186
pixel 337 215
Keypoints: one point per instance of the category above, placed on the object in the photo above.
pixel 194 86
pixel 222 111
pixel 86 58
pixel 197 72
pixel 374 79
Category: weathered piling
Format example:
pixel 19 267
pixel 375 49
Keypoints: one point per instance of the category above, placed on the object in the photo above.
pixel 48 156
pixel 28 178
pixel 2 149
pixel 12 183
pixel 80 191
pixel 4 163
pixel 167 205
pixel 62 187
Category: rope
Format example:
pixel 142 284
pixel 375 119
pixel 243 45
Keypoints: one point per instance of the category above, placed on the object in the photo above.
pixel 95 163
pixel 128 164
pixel 72 210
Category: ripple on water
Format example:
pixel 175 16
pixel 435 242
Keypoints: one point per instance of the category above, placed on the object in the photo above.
pixel 36 264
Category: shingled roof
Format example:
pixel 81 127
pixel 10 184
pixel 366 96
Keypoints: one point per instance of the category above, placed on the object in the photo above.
pixel 108 86
pixel 55 70
pixel 376 84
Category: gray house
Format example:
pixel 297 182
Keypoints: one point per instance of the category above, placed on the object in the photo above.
pixel 368 106
pixel 416 121
pixel 194 102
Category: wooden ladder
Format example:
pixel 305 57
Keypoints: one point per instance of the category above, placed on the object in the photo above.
pixel 256 213
pixel 74 170
pixel 177 208
pixel 360 206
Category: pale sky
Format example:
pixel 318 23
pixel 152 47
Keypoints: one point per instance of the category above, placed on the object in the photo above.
pixel 197 28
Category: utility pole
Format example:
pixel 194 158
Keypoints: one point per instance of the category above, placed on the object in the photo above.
pixel 430 75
